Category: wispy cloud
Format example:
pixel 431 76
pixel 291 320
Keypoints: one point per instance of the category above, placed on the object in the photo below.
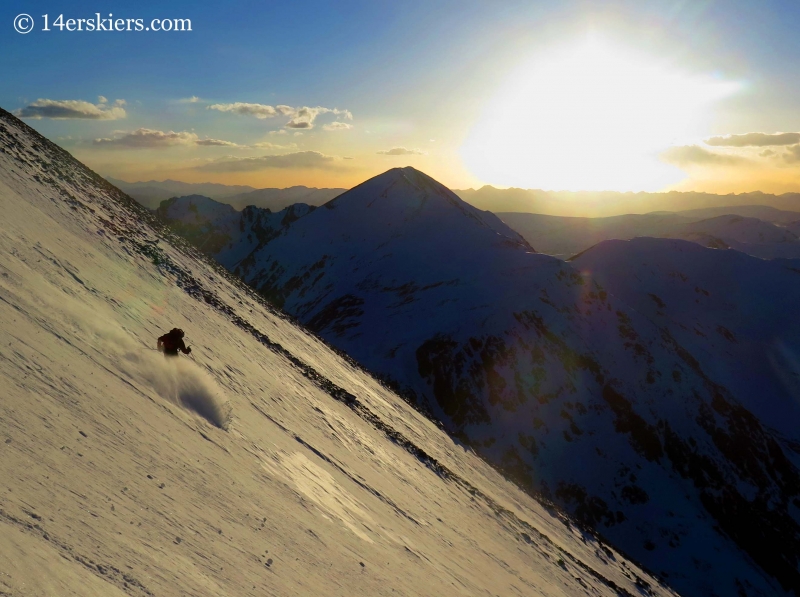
pixel 299 118
pixel 268 145
pixel 260 111
pixel 74 109
pixel 755 140
pixel 153 139
pixel 300 159
pixel 401 151
pixel 148 139
pixel 337 126
pixel 217 143
pixel 692 155
pixel 189 100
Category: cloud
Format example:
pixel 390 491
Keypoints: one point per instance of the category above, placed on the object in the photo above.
pixel 217 143
pixel 303 118
pixel 260 111
pixel 300 159
pixel 148 138
pixel 755 140
pixel 295 123
pixel 337 126
pixel 189 100
pixel 73 109
pixel 792 154
pixel 401 151
pixel 268 145
pixel 153 139
pixel 299 118
pixel 692 155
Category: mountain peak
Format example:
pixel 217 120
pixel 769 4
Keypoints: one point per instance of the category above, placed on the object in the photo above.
pixel 405 177
pixel 405 198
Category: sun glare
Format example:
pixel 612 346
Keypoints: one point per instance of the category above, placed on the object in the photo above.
pixel 591 117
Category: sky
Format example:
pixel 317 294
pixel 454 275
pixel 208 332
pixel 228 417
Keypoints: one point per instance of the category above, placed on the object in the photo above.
pixel 618 95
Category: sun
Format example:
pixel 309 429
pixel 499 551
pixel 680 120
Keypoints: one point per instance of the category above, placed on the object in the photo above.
pixel 593 116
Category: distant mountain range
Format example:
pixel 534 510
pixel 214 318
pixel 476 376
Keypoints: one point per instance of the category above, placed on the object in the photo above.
pixel 612 203
pixel 278 199
pixel 560 203
pixel 775 235
pixel 153 192
pixel 650 386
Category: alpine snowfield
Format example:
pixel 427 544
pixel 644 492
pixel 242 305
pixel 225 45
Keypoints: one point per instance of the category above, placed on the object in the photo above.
pixel 267 465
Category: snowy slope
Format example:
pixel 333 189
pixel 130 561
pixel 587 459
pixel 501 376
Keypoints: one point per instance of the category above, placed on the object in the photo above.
pixel 566 387
pixel 303 476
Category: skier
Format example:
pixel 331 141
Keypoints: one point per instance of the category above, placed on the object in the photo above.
pixel 171 342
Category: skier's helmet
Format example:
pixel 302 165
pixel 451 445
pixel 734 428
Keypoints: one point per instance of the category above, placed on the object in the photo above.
pixel 178 332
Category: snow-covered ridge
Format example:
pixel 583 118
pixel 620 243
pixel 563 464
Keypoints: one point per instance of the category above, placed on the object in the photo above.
pixel 606 408
pixel 322 482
